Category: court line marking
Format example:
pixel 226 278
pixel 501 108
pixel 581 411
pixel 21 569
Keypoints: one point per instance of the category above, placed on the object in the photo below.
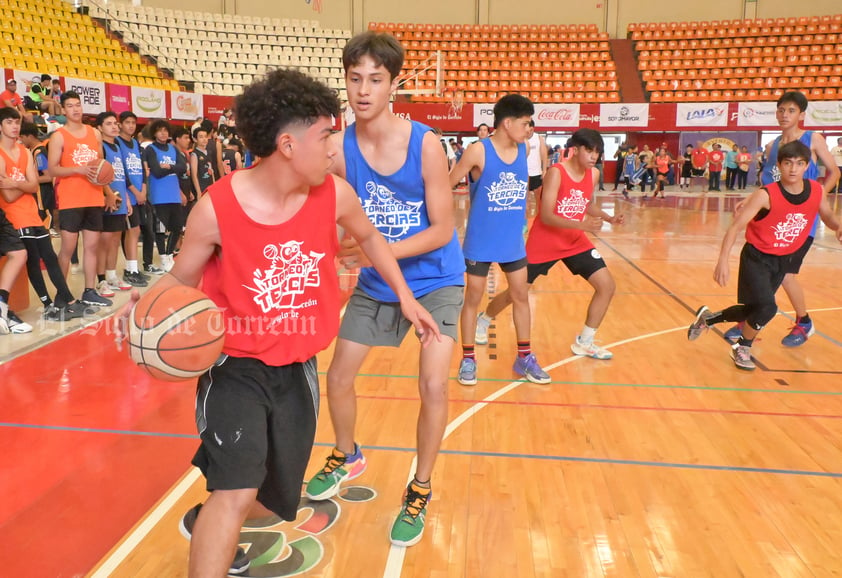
pixel 127 546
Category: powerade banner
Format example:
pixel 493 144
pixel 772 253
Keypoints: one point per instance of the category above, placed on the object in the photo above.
pixel 701 114
pixel 91 92
pixel 149 102
pixel 185 105
pixel 820 113
pixel 756 114
pixel 621 115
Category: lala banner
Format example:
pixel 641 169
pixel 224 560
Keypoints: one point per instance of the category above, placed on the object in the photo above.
pixel 119 98
pixel 622 115
pixel 149 102
pixel 820 113
pixel 91 92
pixel 701 114
pixel 757 114
pixel 185 105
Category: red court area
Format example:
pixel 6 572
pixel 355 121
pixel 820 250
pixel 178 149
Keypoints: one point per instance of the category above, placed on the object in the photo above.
pixel 90 444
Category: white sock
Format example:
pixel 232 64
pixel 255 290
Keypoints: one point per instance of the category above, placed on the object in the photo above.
pixel 484 317
pixel 587 334
pixel 131 266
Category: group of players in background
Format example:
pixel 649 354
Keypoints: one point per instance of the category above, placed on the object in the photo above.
pixel 389 185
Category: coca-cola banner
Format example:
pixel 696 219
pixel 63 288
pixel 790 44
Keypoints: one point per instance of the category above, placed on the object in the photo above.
pixel 701 114
pixel 91 92
pixel 756 114
pixel 556 115
pixel 624 114
pixel 824 113
pixel 185 105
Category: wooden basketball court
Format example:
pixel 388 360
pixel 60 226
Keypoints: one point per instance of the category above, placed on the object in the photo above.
pixel 665 461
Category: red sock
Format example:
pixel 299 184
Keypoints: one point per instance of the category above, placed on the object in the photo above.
pixel 523 348
pixel 468 352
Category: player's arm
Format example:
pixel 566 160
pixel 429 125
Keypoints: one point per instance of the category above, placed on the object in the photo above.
pixel 351 217
pixel 549 198
pixel 54 160
pixel 757 201
pixel 220 164
pixel 12 190
pixel 194 173
pixel 594 211
pixel 544 153
pixel 831 174
pixel 472 157
pixel 110 198
pixel 829 218
pixel 438 201
pixel 201 240
pixel 41 164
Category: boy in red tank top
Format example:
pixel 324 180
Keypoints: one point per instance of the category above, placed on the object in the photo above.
pixel 565 212
pixel 778 219
pixel 263 241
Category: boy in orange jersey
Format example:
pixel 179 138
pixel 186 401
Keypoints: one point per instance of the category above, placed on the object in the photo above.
pixel 19 185
pixel 80 202
pixel 778 219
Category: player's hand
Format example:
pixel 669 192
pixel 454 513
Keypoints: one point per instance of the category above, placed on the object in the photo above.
pixel 111 203
pixel 129 210
pixel 721 273
pixel 739 206
pixel 425 326
pixel 89 172
pixel 166 166
pixel 183 200
pixel 591 224
pixel 121 320
pixel 141 197
pixel 351 254
pixel 617 220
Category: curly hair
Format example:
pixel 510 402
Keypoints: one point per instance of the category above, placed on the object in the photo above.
pixel 281 98
pixel 157 125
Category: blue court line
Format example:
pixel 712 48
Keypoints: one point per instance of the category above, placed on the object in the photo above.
pixel 679 465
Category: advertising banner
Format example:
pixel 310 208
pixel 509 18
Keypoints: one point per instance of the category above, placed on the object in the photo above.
pixel 819 113
pixel 701 114
pixel 149 102
pixel 623 115
pixel 756 114
pixel 119 97
pixel 185 105
pixel 91 92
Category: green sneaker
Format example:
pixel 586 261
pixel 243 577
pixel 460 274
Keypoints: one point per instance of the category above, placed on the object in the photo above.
pixel 339 468
pixel 409 527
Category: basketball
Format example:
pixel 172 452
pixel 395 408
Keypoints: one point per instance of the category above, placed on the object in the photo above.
pixel 104 172
pixel 175 333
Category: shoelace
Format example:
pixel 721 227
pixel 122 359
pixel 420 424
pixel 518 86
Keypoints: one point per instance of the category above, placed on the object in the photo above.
pixel 798 329
pixel 415 502
pixel 333 462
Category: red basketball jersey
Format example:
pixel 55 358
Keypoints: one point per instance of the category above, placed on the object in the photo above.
pixel 547 243
pixel 276 284
pixel 786 227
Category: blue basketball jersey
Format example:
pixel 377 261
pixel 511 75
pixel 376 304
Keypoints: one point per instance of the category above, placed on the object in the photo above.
pixel 133 162
pixel 166 189
pixel 498 209
pixel 395 204
pixel 114 156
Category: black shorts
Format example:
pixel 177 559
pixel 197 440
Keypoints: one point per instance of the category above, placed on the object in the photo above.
pixel 257 424
pixel 481 268
pixel 33 232
pixel 134 218
pixel 170 217
pixel 9 238
pixel 114 223
pixel 81 219
pixel 535 182
pixel 583 264
pixel 760 276
pixel 694 172
pixel 793 261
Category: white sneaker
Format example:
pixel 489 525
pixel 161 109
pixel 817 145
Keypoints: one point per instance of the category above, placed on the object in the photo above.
pixel 167 262
pixel 4 318
pixel 481 336
pixel 118 284
pixel 104 289
pixel 590 350
pixel 75 268
pixel 18 325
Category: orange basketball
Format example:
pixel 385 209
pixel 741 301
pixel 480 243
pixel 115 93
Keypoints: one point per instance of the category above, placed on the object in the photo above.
pixel 104 172
pixel 175 333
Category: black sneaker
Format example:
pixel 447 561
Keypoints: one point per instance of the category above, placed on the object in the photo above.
pixel 51 313
pixel 134 279
pixel 75 310
pixel 153 270
pixel 94 299
pixel 241 561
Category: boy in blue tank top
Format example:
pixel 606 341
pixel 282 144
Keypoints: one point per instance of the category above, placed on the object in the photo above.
pixel 494 234
pixel 136 185
pixel 791 109
pixel 399 171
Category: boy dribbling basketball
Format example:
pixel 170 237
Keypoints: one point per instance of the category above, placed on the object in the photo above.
pixel 265 253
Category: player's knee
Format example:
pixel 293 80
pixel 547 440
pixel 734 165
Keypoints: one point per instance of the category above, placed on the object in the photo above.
pixel 339 381
pixel 603 283
pixel 760 315
pixel 237 502
pixel 433 389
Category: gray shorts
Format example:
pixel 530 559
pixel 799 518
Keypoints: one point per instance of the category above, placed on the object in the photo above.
pixel 371 322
